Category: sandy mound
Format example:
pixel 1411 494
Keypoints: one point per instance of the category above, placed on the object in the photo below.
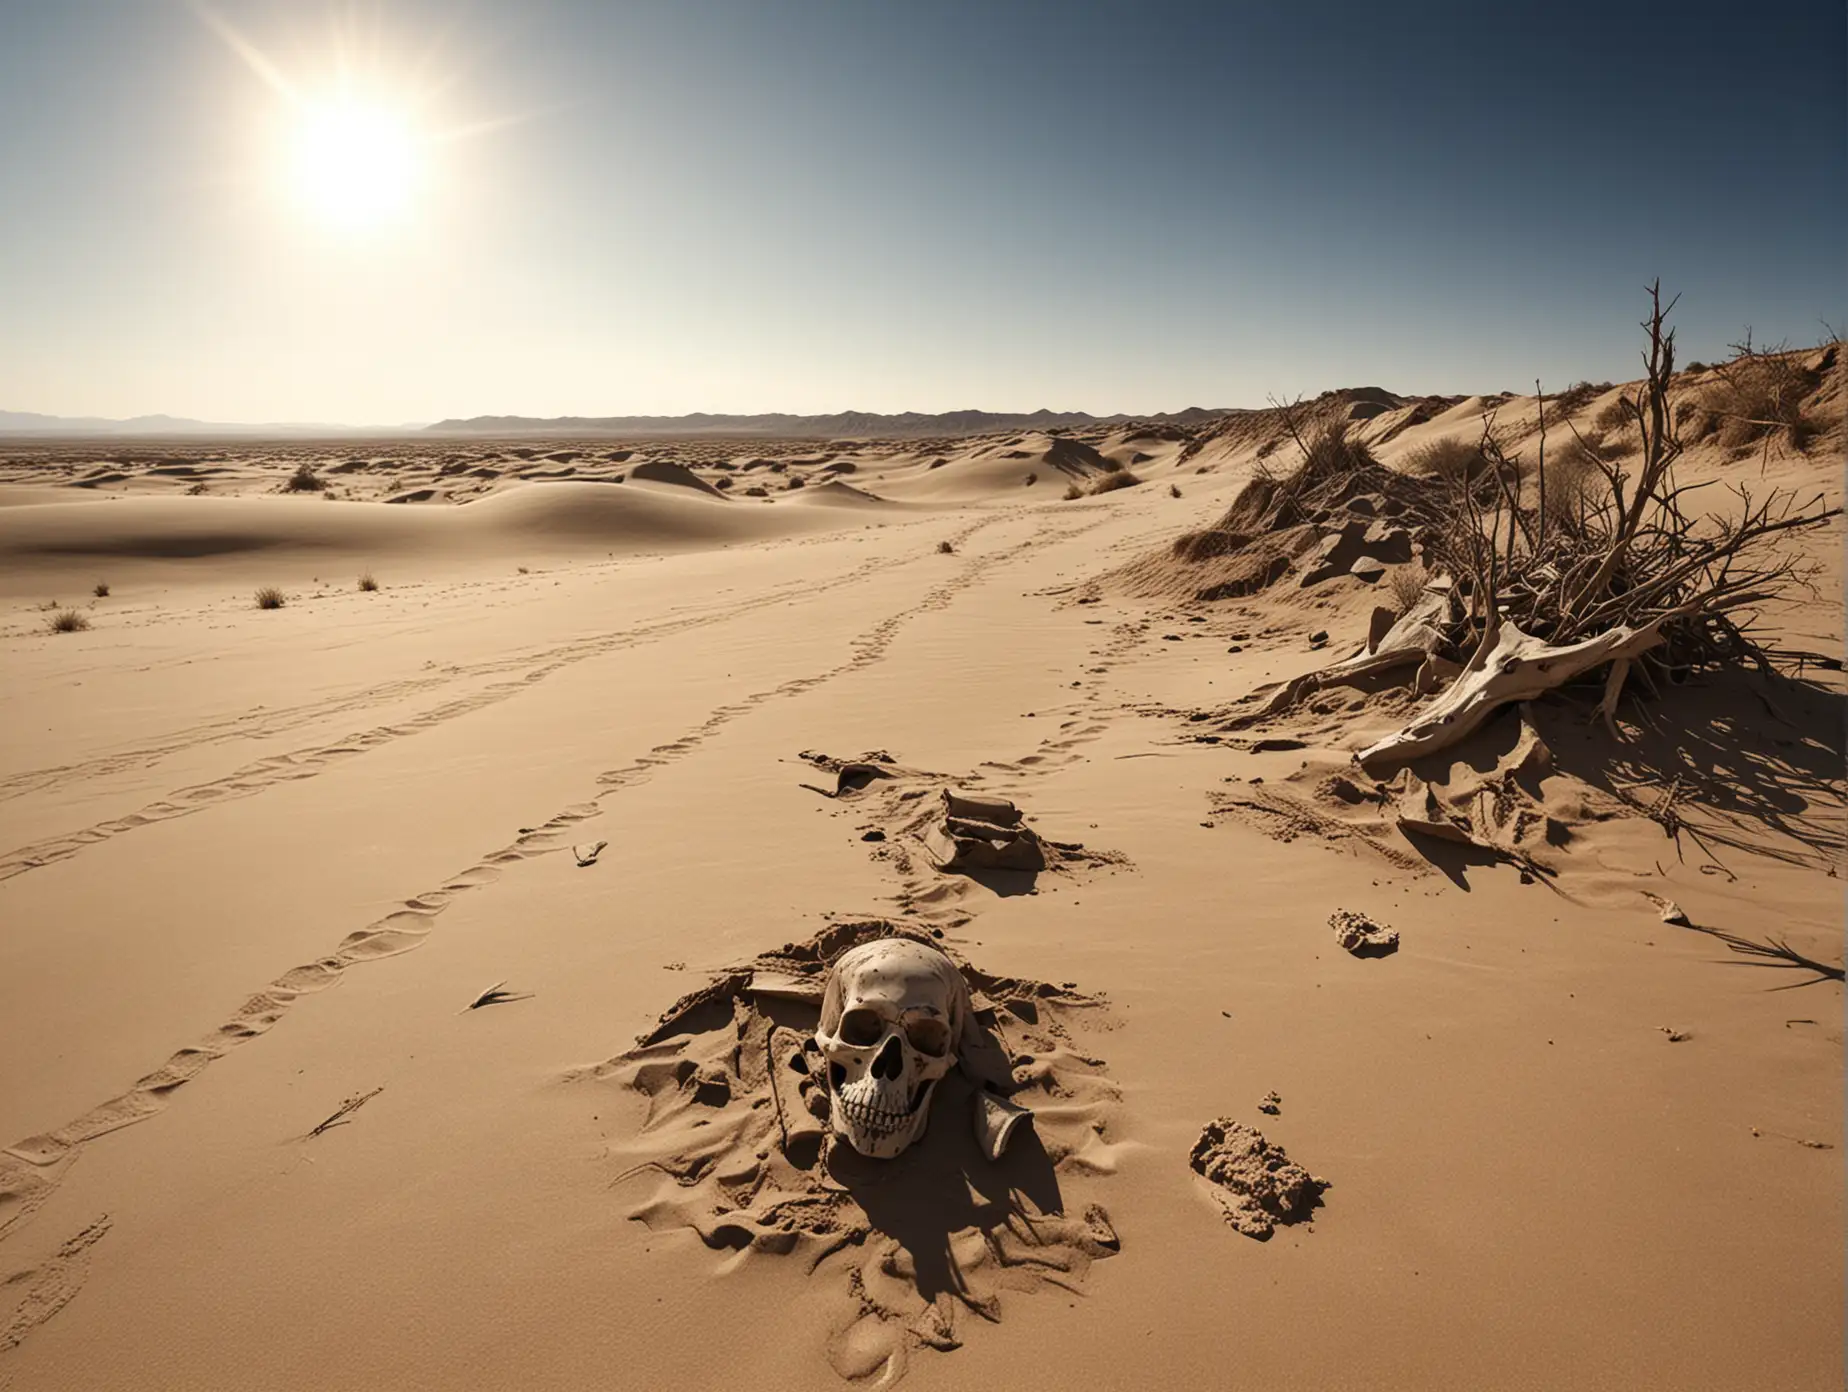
pixel 1256 1184
pixel 675 475
pixel 730 1148
pixel 942 835
pixel 1338 513
pixel 53 543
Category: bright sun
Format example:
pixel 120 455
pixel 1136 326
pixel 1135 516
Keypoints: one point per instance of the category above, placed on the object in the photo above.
pixel 355 163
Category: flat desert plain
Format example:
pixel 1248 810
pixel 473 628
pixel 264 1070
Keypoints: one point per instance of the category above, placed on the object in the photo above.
pixel 406 985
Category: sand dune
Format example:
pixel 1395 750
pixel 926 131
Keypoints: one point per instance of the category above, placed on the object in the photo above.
pixel 646 756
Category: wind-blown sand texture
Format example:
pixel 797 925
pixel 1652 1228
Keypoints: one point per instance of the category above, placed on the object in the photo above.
pixel 256 863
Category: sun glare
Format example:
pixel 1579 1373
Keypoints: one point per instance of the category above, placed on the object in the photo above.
pixel 354 163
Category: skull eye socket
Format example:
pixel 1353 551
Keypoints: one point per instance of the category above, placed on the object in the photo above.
pixel 861 1028
pixel 928 1035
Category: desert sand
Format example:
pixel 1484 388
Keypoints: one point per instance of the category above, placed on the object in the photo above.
pixel 583 745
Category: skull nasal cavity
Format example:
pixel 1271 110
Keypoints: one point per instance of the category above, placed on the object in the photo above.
pixel 891 1060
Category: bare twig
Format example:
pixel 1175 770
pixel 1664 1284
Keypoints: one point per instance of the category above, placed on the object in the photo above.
pixel 346 1109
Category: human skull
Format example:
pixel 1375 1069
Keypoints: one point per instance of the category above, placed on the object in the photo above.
pixel 891 1017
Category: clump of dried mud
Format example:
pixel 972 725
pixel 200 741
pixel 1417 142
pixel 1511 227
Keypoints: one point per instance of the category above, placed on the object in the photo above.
pixel 1256 1184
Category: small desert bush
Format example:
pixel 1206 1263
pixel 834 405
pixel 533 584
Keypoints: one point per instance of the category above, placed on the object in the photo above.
pixel 1109 483
pixel 1031 479
pixel 1573 398
pixel 1174 490
pixel 196 490
pixel 1695 367
pixel 68 621
pixel 102 589
pixel 1451 460
pixel 1407 583
pixel 1073 492
pixel 1760 393
pixel 269 597
pixel 367 583
pixel 304 480
pixel 1613 415
pixel 944 548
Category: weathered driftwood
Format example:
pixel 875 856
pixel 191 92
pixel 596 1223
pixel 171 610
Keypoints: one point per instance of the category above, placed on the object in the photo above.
pixel 1508 666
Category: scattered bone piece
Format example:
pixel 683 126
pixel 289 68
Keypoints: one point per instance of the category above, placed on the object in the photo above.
pixel 1675 1036
pixel 996 1120
pixel 588 855
pixel 1671 911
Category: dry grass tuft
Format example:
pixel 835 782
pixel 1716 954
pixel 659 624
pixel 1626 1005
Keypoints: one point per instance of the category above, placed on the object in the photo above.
pixel 1452 460
pixel 102 589
pixel 269 597
pixel 1407 584
pixel 1073 492
pixel 944 548
pixel 1109 483
pixel 304 480
pixel 68 621
pixel 367 583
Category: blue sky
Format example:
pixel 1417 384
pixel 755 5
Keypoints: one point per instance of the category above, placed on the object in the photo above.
pixel 745 205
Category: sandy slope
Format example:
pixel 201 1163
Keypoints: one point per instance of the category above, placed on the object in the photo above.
pixel 294 845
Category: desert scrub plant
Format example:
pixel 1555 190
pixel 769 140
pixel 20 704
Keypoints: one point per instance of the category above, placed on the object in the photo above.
pixel 1030 480
pixel 367 582
pixel 944 548
pixel 1407 583
pixel 196 490
pixel 102 589
pixel 1759 395
pixel 1174 490
pixel 1109 483
pixel 304 480
pixel 269 597
pixel 1451 460
pixel 1073 492
pixel 68 621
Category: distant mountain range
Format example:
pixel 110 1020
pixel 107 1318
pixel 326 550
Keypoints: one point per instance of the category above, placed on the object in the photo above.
pixel 31 423
pixel 839 425
pixel 770 425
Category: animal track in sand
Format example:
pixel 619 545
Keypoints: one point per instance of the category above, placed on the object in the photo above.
pixel 46 1289
pixel 529 668
pixel 31 1168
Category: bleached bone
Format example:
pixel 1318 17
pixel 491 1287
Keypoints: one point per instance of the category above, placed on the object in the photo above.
pixel 1509 665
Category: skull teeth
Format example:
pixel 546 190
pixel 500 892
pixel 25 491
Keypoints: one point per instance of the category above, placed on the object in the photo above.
pixel 871 1118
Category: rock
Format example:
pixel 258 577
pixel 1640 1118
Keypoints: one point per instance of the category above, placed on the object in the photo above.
pixel 1367 568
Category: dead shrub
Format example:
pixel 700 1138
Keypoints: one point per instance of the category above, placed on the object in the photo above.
pixel 68 621
pixel 1073 492
pixel 1759 396
pixel 304 480
pixel 102 589
pixel 367 583
pixel 269 597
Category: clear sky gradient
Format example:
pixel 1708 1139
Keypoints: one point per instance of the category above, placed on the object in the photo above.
pixel 807 206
